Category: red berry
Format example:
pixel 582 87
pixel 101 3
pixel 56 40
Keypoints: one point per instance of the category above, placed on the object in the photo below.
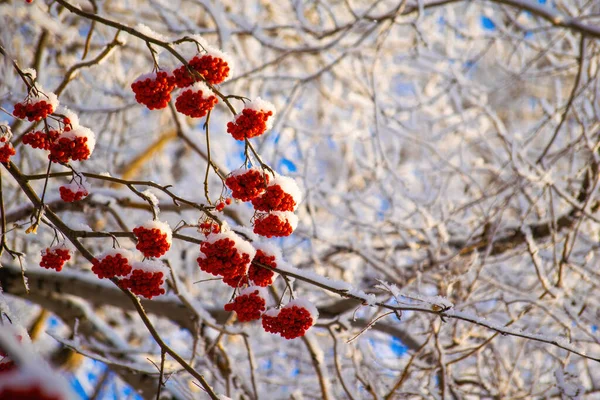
pixel 228 201
pixel 147 279
pixel 154 238
pixel 226 255
pixel 258 275
pixel 247 184
pixel 248 306
pixel 213 68
pixel 254 120
pixel 36 107
pixel 275 223
pixel 113 263
pixel 77 144
pixel 291 321
pixel 196 102
pixel 154 90
pixel 55 257
pixel 73 192
pixel 6 151
pixel 220 206
pixel 40 140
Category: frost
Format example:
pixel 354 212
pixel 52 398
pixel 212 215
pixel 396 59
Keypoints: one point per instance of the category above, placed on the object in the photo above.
pixel 146 30
pixel 153 199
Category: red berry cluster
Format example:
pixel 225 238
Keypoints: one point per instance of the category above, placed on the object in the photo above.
pixel 213 69
pixel 33 392
pixel 222 257
pixel 144 283
pixel 66 148
pixel 112 265
pixel 274 199
pixel 291 321
pixel 221 205
pixel 248 185
pixel 273 224
pixel 33 111
pixel 250 123
pixel 55 257
pixel 154 90
pixel 261 276
pixel 67 194
pixel 195 103
pixel 6 151
pixel 152 242
pixel 208 227
pixel 248 306
pixel 41 140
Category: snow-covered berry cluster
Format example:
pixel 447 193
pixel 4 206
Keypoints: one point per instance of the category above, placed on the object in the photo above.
pixel 213 65
pixel 282 194
pixel 275 223
pixel 154 89
pixel 153 238
pixel 113 263
pixel 146 279
pixel 247 184
pixel 265 255
pixel 55 257
pixel 254 120
pixel 227 255
pixel 291 321
pixel 196 101
pixel 74 191
pixel 249 304
pixel 36 107
pixel 68 141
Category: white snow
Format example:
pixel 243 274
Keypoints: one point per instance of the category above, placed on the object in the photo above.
pixel 201 87
pixel 146 30
pixel 79 184
pixel 113 252
pixel 150 266
pixel 48 97
pixel 31 72
pixel 5 131
pixel 74 118
pixel 262 292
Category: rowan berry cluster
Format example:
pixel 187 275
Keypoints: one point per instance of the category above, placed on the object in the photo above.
pixel 113 263
pixel 254 120
pixel 41 140
pixel 154 238
pixel 74 191
pixel 226 255
pixel 147 279
pixel 55 257
pixel 291 321
pixel 30 392
pixel 196 102
pixel 275 224
pixel 214 67
pixel 69 141
pixel 6 151
pixel 260 276
pixel 248 305
pixel 154 89
pixel 246 185
pixel 36 107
